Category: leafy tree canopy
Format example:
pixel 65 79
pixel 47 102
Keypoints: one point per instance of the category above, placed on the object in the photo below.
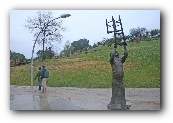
pixel 80 44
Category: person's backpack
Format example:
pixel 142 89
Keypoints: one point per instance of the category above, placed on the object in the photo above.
pixel 46 73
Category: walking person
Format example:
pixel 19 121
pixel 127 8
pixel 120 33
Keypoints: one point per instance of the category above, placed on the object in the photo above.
pixel 39 78
pixel 44 76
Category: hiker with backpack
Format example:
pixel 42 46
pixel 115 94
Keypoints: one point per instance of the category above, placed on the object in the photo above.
pixel 44 76
pixel 39 78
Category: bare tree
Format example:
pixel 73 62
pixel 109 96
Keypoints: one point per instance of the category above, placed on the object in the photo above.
pixel 68 49
pixel 138 31
pixel 49 27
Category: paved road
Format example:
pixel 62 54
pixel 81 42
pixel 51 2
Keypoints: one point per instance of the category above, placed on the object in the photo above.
pixel 70 98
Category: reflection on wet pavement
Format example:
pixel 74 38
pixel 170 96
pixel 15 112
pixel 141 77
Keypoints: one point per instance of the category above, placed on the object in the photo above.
pixel 71 98
pixel 41 102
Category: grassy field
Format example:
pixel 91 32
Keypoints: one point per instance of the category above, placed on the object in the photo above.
pixel 92 70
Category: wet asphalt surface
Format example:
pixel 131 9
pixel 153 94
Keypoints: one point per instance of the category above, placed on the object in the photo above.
pixel 71 98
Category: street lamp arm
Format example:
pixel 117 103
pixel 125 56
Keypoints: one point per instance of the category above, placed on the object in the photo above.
pixel 50 22
pixel 61 16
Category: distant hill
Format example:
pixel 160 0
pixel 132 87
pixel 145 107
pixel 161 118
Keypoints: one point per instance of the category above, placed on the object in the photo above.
pixel 92 70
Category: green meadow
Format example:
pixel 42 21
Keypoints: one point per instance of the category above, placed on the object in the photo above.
pixel 93 70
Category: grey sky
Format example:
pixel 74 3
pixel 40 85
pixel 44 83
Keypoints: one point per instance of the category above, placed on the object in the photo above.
pixel 89 24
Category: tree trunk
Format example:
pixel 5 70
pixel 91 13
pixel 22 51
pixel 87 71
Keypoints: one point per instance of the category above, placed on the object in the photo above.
pixel 43 54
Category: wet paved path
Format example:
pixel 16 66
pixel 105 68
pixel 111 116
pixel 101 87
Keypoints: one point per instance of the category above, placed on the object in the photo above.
pixel 70 98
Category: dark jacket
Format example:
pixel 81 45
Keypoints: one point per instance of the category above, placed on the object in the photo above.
pixel 38 75
pixel 42 73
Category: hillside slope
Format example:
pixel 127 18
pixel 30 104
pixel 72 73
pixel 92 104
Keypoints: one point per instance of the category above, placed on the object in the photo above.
pixel 92 70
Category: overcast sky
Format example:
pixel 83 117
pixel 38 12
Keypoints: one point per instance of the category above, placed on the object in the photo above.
pixel 89 24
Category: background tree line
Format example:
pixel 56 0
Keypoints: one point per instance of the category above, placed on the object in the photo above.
pixel 48 54
pixel 82 45
pixel 17 59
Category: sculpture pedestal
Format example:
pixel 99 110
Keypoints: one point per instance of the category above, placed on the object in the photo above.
pixel 115 106
pixel 118 101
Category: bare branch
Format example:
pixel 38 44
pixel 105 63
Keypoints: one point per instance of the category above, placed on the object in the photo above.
pixel 45 22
